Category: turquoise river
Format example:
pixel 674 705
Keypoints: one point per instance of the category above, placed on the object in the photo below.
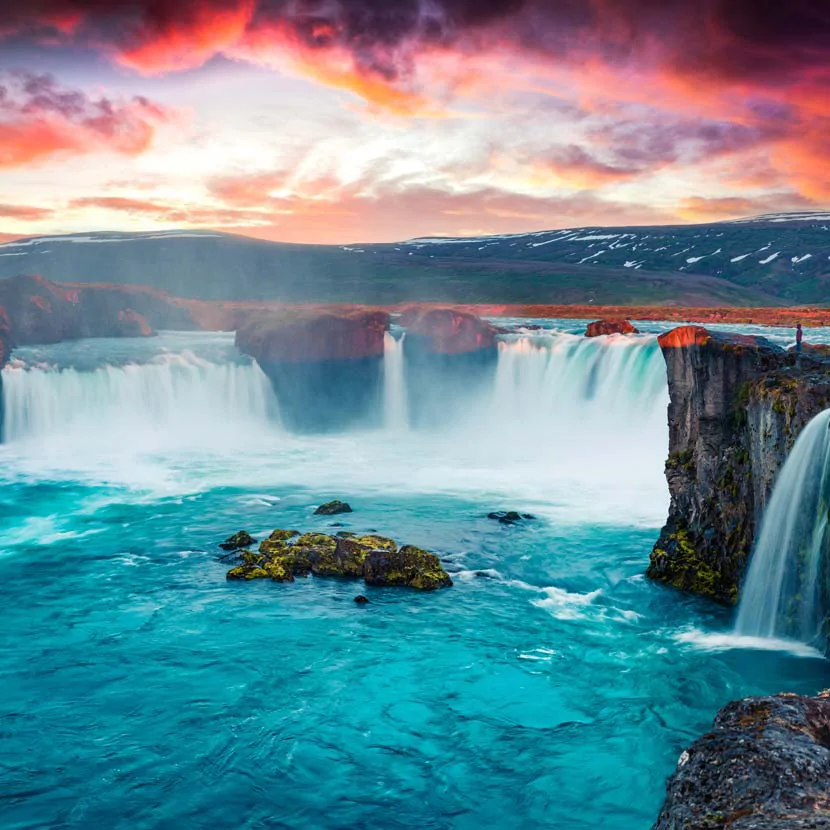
pixel 552 687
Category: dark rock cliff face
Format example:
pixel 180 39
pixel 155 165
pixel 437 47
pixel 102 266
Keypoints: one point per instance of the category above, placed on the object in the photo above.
pixel 737 405
pixel 450 355
pixel 34 310
pixel 326 365
pixel 40 311
pixel 764 766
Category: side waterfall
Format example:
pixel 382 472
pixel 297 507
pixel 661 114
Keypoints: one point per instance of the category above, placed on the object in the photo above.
pixel 787 586
pixel 179 394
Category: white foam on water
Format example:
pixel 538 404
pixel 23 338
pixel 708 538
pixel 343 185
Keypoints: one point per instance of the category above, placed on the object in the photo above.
pixel 730 641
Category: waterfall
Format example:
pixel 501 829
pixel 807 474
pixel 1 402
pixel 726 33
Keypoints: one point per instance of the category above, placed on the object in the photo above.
pixel 179 394
pixel 785 594
pixel 394 387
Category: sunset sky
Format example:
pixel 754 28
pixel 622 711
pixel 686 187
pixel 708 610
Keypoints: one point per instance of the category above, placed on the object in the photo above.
pixel 364 120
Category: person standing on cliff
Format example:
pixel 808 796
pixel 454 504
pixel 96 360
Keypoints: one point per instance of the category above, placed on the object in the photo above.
pixel 799 336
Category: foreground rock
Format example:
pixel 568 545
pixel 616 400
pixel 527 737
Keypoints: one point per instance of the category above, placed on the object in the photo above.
pixel 601 327
pixel 377 559
pixel 764 766
pixel 450 357
pixel 737 405
pixel 326 366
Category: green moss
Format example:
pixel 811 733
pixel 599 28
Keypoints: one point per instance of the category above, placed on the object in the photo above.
pixel 377 542
pixel 682 460
pixel 247 572
pixel 283 535
pixel 279 571
pixel 409 566
pixel 677 563
pixel 316 540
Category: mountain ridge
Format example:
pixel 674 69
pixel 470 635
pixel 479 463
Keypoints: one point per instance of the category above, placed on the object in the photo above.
pixel 770 260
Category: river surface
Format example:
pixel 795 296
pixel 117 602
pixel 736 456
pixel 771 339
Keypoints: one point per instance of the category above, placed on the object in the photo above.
pixel 552 687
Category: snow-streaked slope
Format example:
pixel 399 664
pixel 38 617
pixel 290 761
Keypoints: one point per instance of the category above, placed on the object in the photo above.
pixel 776 258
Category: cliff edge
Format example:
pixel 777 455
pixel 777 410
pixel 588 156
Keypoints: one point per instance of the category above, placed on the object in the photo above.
pixel 737 405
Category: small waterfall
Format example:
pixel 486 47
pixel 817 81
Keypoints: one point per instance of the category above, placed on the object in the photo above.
pixel 786 590
pixel 180 395
pixel 394 386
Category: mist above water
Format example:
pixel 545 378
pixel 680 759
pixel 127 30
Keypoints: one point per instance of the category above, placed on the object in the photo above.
pixel 566 425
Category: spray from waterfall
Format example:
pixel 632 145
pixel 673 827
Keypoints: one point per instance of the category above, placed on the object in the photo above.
pixel 786 593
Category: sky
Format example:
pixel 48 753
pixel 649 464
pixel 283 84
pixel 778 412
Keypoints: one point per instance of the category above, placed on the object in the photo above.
pixel 337 121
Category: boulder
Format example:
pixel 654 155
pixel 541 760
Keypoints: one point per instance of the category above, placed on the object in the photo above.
pixel 510 517
pixel 765 765
pixel 325 365
pixel 409 566
pixel 601 327
pixel 333 508
pixel 361 600
pixel 243 539
pixel 448 331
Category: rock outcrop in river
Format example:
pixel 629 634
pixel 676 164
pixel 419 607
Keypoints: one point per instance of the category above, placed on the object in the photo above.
pixel 325 364
pixel 449 354
pixel 737 404
pixel 764 766
pixel 39 311
pixel 286 554
pixel 34 310
pixel 601 327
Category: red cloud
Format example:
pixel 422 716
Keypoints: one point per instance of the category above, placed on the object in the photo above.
pixel 39 119
pixel 25 212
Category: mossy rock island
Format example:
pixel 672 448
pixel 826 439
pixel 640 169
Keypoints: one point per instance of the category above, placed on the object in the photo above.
pixel 378 560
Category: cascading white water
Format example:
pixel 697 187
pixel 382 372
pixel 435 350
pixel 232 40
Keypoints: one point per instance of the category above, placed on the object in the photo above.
pixel 179 394
pixel 570 426
pixel 785 594
pixel 395 414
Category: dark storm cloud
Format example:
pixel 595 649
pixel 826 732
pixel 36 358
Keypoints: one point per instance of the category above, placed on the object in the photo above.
pixel 732 39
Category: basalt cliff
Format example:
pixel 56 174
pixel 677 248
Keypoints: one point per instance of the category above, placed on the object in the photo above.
pixel 737 405
pixel 34 310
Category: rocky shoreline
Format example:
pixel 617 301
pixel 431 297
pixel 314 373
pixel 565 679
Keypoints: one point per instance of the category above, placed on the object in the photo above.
pixel 765 765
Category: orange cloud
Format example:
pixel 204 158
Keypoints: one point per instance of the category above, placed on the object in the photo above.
pixel 24 212
pixel 39 119
pixel 701 209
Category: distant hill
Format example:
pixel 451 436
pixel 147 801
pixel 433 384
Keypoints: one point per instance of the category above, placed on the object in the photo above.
pixel 778 259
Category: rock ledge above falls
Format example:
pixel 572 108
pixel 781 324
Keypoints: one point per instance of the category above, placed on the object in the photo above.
pixel 737 405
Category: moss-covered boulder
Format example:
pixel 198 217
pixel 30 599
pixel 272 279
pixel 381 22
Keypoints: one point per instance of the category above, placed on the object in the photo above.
pixel 410 566
pixel 240 540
